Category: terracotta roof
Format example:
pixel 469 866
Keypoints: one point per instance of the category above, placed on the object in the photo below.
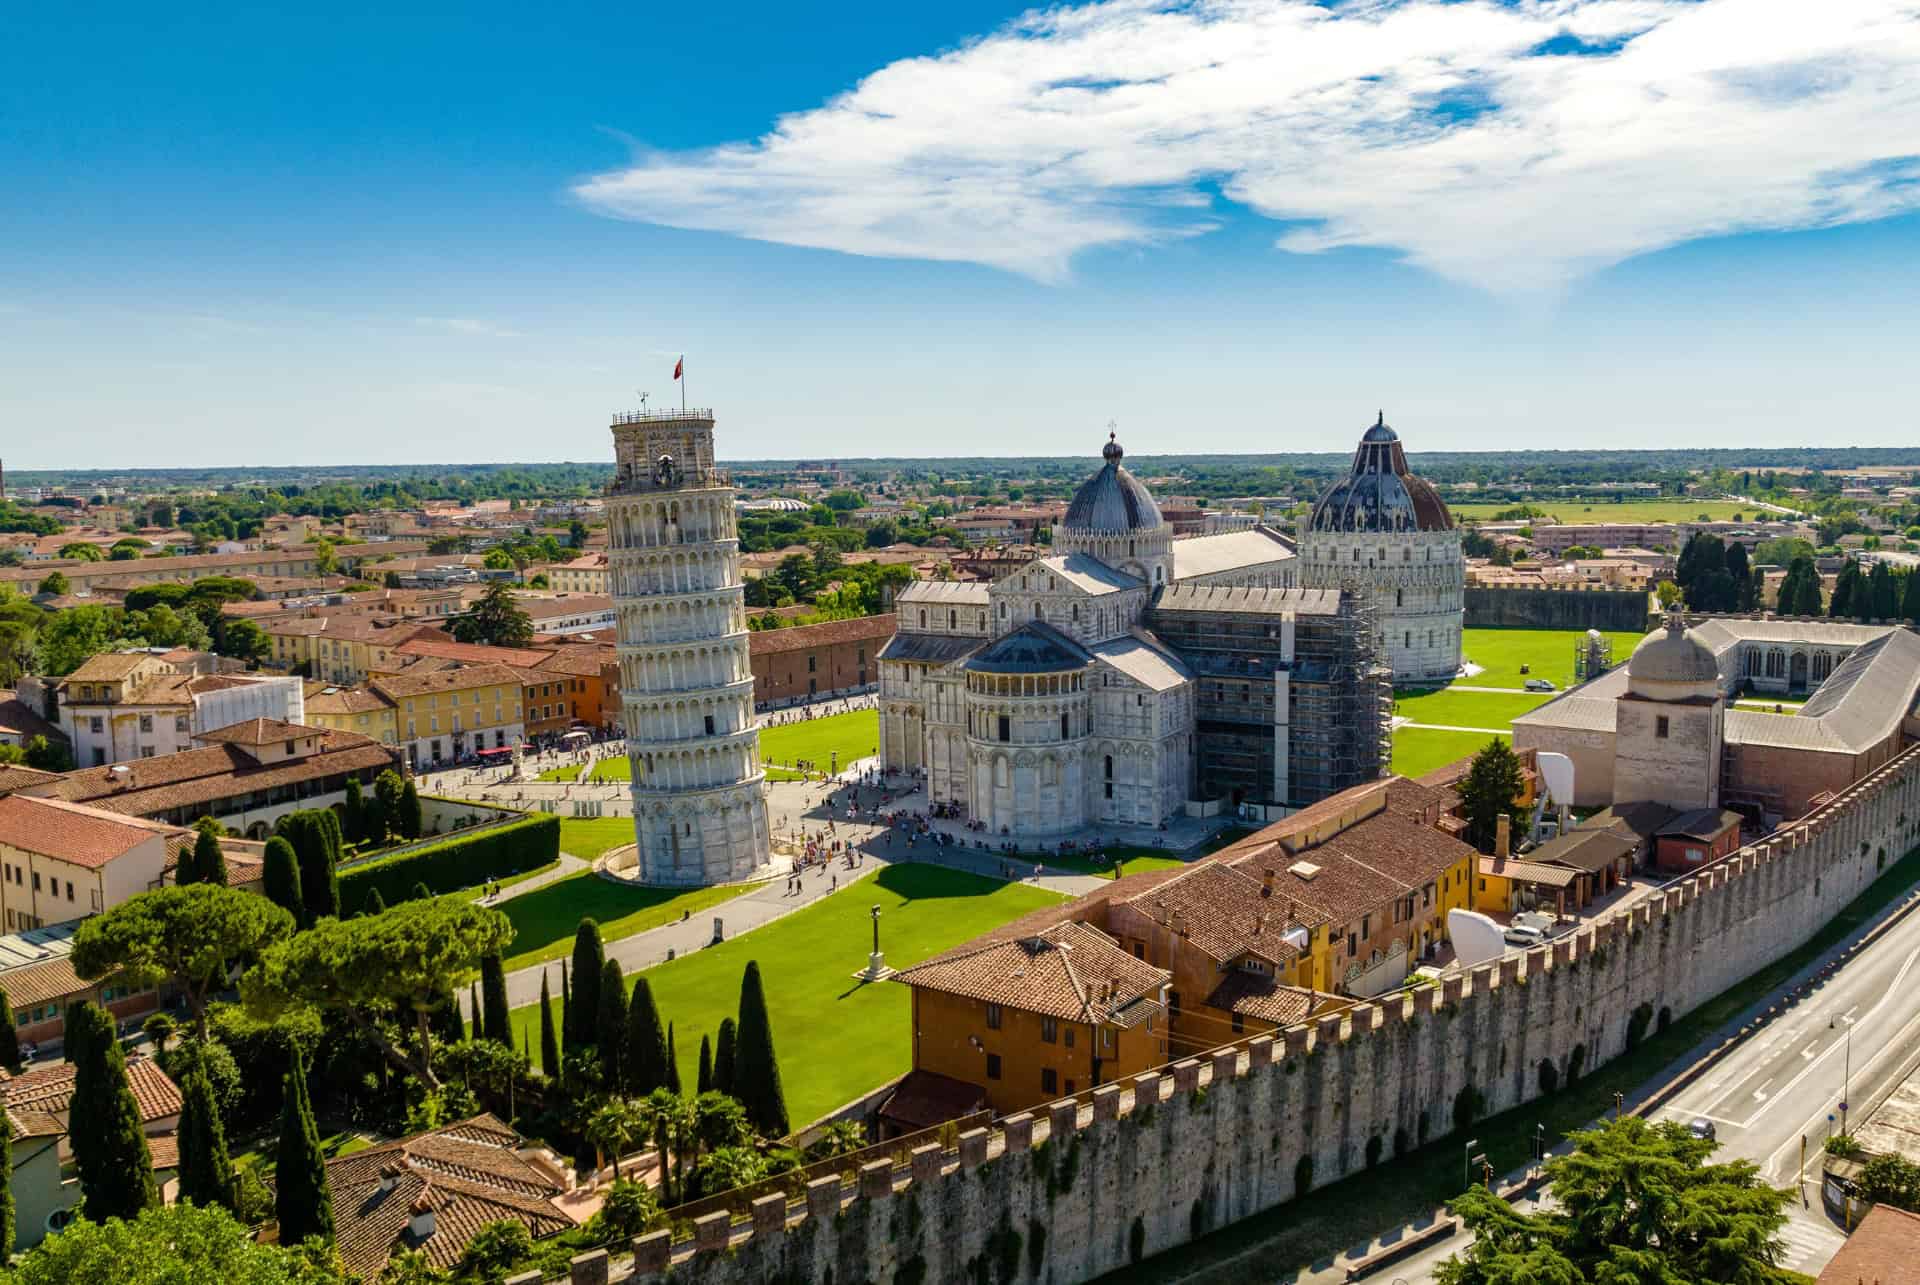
pixel 565 604
pixel 193 777
pixel 399 686
pixel 763 642
pixel 38 983
pixel 1219 909
pixel 257 732
pixel 50 1088
pixel 580 662
pixel 468 1174
pixel 18 719
pixel 35 1124
pixel 1588 850
pixel 924 1099
pixel 110 666
pixel 69 832
pixel 472 653
pixel 165 1150
pixel 1881 1250
pixel 1529 872
pixel 1701 823
pixel 1260 996
pixel 1071 970
pixel 346 700
pixel 13 778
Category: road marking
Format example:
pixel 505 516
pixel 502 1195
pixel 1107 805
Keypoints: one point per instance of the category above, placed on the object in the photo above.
pixel 1760 1094
pixel 1807 1052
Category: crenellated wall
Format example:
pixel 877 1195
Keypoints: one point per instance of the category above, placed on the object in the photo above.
pixel 1134 1169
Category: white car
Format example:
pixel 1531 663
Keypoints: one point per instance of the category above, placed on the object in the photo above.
pixel 1539 685
pixel 1523 935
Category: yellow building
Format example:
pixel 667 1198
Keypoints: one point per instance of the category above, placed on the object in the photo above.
pixel 353 709
pixel 447 714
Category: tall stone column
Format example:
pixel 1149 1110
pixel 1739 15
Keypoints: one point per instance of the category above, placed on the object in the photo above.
pixel 700 813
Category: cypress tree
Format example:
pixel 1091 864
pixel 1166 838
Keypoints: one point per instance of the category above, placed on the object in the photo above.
pixel 410 821
pixel 756 1068
pixel 723 1058
pixel 420 891
pixel 589 961
pixel 206 1170
pixel 673 1063
pixel 646 1043
pixel 493 998
pixel 209 862
pixel 1846 586
pixel 477 1014
pixel 610 1023
pixel 376 904
pixel 1910 599
pixel 301 1200
pixel 549 1046
pixel 116 1169
pixel 6 1185
pixel 281 878
pixel 9 1041
pixel 566 1003
pixel 1882 593
pixel 353 812
pixel 443 1020
pixel 704 1082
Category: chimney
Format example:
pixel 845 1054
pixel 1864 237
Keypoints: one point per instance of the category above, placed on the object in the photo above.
pixel 1259 922
pixel 1502 835
pixel 1266 882
pixel 389 1177
pixel 420 1226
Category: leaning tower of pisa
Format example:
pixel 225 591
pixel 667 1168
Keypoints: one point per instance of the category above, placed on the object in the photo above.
pixel 686 684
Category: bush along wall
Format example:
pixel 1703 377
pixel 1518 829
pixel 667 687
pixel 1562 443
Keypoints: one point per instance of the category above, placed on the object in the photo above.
pixel 461 862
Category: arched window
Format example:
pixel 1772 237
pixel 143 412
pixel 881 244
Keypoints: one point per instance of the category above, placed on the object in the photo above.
pixel 1076 613
pixel 1063 727
pixel 923 617
pixel 1109 767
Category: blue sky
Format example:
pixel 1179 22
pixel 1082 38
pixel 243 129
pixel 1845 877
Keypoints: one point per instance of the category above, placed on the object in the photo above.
pixel 364 234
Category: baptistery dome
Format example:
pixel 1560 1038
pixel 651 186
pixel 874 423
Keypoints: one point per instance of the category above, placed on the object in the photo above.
pixel 1112 501
pixel 1379 494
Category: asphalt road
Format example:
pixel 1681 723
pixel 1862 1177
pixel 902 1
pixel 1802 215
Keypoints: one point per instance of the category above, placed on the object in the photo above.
pixel 1851 1037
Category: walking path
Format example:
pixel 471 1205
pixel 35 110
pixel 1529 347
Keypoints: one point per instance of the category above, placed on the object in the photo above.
pixel 1450 727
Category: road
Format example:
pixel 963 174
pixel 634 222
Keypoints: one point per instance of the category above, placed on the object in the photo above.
pixel 1851 1036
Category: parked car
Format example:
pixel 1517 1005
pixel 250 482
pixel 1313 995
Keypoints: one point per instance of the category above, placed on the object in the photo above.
pixel 1701 1127
pixel 1539 685
pixel 1524 935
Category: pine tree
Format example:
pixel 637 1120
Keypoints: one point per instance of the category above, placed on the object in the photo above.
pixel 493 998
pixel 646 1042
pixel 610 1023
pixel 723 1051
pixel 410 818
pixel 375 902
pixel 301 1199
pixel 704 1081
pixel 549 1045
pixel 116 1169
pixel 673 1063
pixel 206 1171
pixel 6 1185
pixel 353 811
pixel 756 1068
pixel 589 961
pixel 9 1042
pixel 209 862
pixel 281 878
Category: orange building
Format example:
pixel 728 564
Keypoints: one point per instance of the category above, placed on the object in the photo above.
pixel 1031 1018
pixel 803 661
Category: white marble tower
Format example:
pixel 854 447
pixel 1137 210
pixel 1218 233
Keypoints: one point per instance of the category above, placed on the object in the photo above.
pixel 686 684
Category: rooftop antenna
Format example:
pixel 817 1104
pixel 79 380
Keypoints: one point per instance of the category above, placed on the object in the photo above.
pixel 643 403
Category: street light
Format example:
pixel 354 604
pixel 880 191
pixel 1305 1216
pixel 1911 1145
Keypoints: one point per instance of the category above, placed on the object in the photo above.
pixel 1846 1079
pixel 1466 1167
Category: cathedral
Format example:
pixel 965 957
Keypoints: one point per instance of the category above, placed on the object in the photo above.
pixel 1130 674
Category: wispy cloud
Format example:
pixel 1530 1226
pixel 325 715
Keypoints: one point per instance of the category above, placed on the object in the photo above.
pixel 1513 146
pixel 467 326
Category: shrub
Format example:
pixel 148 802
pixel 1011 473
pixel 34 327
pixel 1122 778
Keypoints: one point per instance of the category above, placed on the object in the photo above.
pixel 1843 1145
pixel 460 862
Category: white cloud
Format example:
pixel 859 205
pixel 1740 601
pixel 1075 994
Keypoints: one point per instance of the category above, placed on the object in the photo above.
pixel 467 326
pixel 1441 130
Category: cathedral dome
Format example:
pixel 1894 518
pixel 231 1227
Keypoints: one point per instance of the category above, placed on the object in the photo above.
pixel 1112 501
pixel 1673 657
pixel 1379 494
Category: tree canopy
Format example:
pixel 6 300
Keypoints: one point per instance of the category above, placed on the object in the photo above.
pixel 495 620
pixel 164 1246
pixel 1489 789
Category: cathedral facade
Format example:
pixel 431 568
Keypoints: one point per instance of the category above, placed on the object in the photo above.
pixel 1385 533
pixel 1047 701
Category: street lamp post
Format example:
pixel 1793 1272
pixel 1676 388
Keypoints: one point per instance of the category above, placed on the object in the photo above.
pixel 876 969
pixel 1846 1080
pixel 1466 1165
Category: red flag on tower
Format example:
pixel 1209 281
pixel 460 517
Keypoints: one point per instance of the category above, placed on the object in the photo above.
pixel 677 367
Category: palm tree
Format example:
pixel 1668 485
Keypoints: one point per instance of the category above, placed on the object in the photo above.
pixel 838 1139
pixel 614 1127
pixel 672 1119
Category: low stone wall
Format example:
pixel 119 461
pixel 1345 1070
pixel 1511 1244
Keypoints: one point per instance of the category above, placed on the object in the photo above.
pixel 1080 1188
pixel 1620 610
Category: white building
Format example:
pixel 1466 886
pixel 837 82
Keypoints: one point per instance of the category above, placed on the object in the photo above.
pixel 686 677
pixel 1386 533
pixel 120 707
pixel 1041 703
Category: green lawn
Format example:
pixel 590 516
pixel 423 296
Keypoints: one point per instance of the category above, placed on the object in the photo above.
pixel 333 1144
pixel 1417 751
pixel 1548 653
pixel 589 837
pixel 544 920
pixel 1584 512
pixel 1133 861
pixel 852 736
pixel 836 1037
pixel 571 772
pixel 1466 709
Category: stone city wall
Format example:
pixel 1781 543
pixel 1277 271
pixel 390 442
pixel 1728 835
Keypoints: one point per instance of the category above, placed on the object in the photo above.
pixel 1621 610
pixel 1084 1186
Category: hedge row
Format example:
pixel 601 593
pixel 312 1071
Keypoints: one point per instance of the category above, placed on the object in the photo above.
pixel 460 862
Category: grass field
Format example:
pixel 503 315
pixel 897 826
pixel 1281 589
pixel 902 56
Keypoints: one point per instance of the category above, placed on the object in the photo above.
pixel 1548 653
pixel 1133 861
pixel 855 735
pixel 836 1037
pixel 1417 750
pixel 590 837
pixel 1581 512
pixel 545 919
pixel 571 772
pixel 1466 709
